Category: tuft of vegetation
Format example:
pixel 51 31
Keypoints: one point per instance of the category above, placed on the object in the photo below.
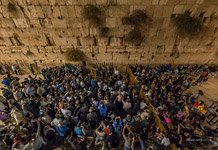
pixel 12 8
pixel 29 53
pixel 104 32
pixel 75 55
pixel 134 37
pixel 187 24
pixel 138 17
pixel 93 14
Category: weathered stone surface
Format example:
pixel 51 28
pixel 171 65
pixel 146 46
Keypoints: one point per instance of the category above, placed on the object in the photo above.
pixel 111 22
pixel 102 2
pixel 49 26
pixel 178 9
pixel 118 11
pixel 115 41
pixel 21 23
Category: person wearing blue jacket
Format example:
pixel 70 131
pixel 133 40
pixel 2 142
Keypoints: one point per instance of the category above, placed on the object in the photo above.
pixel 117 124
pixel 62 129
pixel 6 82
pixel 102 109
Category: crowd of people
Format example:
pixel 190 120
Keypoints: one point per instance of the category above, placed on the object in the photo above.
pixel 181 112
pixel 71 109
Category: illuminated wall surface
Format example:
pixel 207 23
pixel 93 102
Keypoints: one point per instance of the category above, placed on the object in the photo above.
pixel 42 30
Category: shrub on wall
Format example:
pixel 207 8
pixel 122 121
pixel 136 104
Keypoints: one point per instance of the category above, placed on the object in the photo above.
pixel 74 55
pixel 104 32
pixel 93 14
pixel 187 24
pixel 138 17
pixel 11 8
pixel 133 37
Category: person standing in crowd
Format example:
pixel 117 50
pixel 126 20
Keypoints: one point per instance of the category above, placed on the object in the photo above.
pixel 15 69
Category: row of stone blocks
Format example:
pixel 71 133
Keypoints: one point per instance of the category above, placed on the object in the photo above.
pixel 103 2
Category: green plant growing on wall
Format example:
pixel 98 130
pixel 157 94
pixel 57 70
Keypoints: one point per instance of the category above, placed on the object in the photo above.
pixel 93 14
pixel 134 37
pixel 187 24
pixel 12 8
pixel 138 17
pixel 104 32
pixel 74 55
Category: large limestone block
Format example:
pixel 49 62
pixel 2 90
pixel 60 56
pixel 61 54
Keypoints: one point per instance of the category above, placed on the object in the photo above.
pixel 163 2
pixel 76 32
pixel 72 41
pixel 7 23
pixel 103 2
pixel 71 11
pixel 28 41
pixel 40 41
pixel 32 2
pixel 5 42
pixel 43 2
pixel 4 2
pixel 39 11
pixel 64 32
pixel 122 2
pixel 172 2
pixel 4 11
pixel 118 11
pixel 178 9
pixel 21 23
pixel 199 1
pixel 216 32
pixel 121 58
pixel 61 2
pixel 136 7
pixel 158 11
pixel 104 57
pixel 52 2
pixel 214 22
pixel 115 49
pixel 33 12
pixel 116 41
pixel 59 23
pixel 206 40
pixel 35 23
pixel 167 11
pixel 150 11
pixel 103 41
pixel 64 11
pixel 194 10
pixel 117 32
pixel 4 32
pixel 215 42
pixel 78 10
pixel 47 11
pixel 87 41
pixel 56 13
pixel 111 22
pixel 102 49
pixel 60 41
pixel 155 2
pixel 74 22
pixel 46 22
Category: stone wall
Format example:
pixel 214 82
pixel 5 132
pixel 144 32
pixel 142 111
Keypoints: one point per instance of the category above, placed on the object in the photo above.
pixel 46 28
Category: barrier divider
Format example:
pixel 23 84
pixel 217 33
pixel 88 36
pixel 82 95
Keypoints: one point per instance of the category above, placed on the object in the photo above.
pixel 132 77
pixel 133 80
